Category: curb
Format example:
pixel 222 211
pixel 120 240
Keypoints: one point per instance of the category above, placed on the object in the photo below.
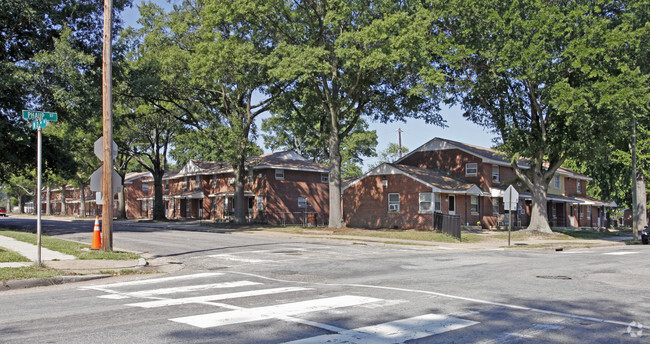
pixel 43 282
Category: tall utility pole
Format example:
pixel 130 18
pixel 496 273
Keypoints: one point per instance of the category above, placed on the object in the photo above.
pixel 399 134
pixel 107 116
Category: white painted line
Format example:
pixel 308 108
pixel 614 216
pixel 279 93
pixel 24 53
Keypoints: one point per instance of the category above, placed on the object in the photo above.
pixel 468 299
pixel 269 312
pixel 175 290
pixel 398 331
pixel 536 331
pixel 155 280
pixel 209 298
pixel 113 297
pixel 620 253
pixel 238 259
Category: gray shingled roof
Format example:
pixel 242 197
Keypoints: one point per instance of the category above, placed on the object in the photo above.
pixel 435 177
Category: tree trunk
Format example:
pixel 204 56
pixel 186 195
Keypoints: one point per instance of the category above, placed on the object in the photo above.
pixel 241 207
pixel 21 208
pixel 8 204
pixel 121 201
pixel 64 210
pixel 641 198
pixel 158 205
pixel 336 212
pixel 539 214
pixel 82 196
pixel 48 201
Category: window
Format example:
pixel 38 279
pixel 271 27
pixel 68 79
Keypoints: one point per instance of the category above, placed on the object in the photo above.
pixel 425 202
pixel 437 202
pixel 384 182
pixel 554 210
pixel 260 203
pixel 279 174
pixel 324 178
pixel 495 173
pixel 522 207
pixel 589 212
pixel 471 169
pixel 166 185
pixel 250 176
pixel 556 182
pixel 580 212
pixel 393 202
pixel 452 205
pixel 302 202
pixel 495 206
pixel 578 186
pixel 144 207
pixel 145 187
pixel 474 204
pixel 214 180
pixel 184 183
pixel 197 181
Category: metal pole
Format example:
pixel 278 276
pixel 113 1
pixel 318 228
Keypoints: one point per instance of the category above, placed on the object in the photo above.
pixel 39 158
pixel 635 211
pixel 107 116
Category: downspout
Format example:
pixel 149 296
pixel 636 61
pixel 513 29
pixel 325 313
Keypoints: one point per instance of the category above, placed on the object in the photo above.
pixel 433 209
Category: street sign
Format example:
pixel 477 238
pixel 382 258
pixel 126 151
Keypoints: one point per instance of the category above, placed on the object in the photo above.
pixel 96 181
pixel 39 115
pixel 39 124
pixel 510 198
pixel 99 148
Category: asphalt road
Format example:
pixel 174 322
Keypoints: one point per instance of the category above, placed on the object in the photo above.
pixel 260 288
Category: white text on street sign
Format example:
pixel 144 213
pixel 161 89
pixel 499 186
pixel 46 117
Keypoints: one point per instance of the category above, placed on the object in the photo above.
pixel 39 115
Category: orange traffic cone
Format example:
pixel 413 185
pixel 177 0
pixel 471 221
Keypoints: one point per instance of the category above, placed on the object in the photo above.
pixel 97 236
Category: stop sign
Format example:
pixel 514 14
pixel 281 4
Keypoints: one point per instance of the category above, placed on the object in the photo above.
pixel 99 148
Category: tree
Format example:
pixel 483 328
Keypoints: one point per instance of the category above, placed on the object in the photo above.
pixel 28 27
pixel 352 60
pixel 550 78
pixel 294 132
pixel 390 154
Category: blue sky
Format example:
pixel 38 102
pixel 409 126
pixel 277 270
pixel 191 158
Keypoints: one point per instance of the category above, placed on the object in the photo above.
pixel 415 132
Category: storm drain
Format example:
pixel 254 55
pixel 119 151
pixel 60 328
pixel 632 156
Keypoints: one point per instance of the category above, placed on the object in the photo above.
pixel 555 277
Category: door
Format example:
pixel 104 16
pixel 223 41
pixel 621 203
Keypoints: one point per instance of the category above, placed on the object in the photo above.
pixel 452 205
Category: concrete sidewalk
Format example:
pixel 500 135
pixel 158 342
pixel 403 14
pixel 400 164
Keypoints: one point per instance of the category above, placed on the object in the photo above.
pixel 29 251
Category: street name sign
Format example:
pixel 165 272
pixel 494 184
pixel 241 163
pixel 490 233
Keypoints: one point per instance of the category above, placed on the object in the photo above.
pixel 39 115
pixel 39 124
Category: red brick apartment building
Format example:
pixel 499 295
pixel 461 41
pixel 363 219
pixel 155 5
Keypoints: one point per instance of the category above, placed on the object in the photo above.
pixel 281 188
pixel 460 179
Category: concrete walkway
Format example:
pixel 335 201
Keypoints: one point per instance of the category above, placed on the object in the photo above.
pixel 29 251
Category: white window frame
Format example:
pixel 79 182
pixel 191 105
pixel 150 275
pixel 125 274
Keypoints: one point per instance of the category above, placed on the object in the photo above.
pixel 578 186
pixel 214 180
pixel 437 202
pixel 324 178
pixel 302 202
pixel 473 201
pixel 197 181
pixel 471 166
pixel 384 182
pixel 556 182
pixel 425 202
pixel 145 187
pixel 495 203
pixel 496 175
pixel 167 185
pixel 279 174
pixel 393 205
pixel 589 212
pixel 185 183
pixel 260 203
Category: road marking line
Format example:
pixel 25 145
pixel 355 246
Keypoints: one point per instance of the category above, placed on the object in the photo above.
pixel 269 312
pixel 619 253
pixel 239 259
pixel 528 333
pixel 174 290
pixel 426 292
pixel 397 331
pixel 154 280
pixel 208 298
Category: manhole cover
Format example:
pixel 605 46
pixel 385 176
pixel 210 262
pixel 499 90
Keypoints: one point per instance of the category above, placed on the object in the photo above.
pixel 555 277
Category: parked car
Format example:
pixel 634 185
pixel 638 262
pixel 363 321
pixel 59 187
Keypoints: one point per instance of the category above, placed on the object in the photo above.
pixel 644 235
pixel 3 211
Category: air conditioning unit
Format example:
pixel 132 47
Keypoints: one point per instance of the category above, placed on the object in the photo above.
pixel 393 207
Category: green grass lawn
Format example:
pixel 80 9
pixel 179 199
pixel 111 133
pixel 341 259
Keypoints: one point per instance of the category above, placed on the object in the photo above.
pixel 9 256
pixel 31 271
pixel 429 236
pixel 81 251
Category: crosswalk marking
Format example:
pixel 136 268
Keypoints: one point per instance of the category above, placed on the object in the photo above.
pixel 268 312
pixel 155 280
pixel 397 331
pixel 208 298
pixel 238 259
pixel 174 290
